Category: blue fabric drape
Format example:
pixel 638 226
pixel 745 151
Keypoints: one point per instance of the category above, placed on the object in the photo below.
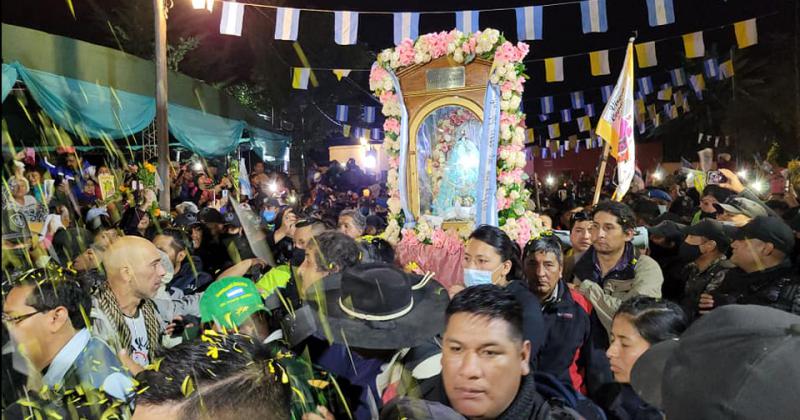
pixel 88 109
pixel 487 169
pixel 9 78
pixel 401 179
pixel 273 144
pixel 205 134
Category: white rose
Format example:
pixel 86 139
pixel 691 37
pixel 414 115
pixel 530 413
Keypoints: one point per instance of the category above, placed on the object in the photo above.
pixel 501 192
pixel 500 71
pixel 506 95
pixel 387 83
pixel 514 195
pixel 394 205
pixel 515 101
pixel 419 57
pixel 504 105
pixel 495 79
pixel 458 56
pixel 505 133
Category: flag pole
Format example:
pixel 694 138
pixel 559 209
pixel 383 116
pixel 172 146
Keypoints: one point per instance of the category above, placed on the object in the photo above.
pixel 601 174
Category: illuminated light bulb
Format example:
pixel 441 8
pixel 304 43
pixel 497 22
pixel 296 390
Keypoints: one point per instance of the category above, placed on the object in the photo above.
pixel 758 186
pixel 658 176
pixel 742 174
pixel 198 4
pixel 197 166
pixel 273 186
pixel 369 162
pixel 550 180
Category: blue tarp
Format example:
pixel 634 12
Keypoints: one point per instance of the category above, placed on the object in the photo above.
pixel 96 111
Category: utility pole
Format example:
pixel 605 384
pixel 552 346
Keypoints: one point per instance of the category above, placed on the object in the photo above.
pixel 162 133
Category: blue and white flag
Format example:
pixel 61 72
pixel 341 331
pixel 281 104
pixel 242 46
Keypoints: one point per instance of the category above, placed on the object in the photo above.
pixel 660 12
pixel 375 133
pixel 232 17
pixel 346 28
pixel 529 22
pixel 543 117
pixel 467 21
pixel 244 180
pixel 645 85
pixel 486 198
pixel 566 115
pixel 590 110
pixel 678 77
pixel 605 91
pixel 577 99
pixel 547 104
pixel 341 112
pixel 369 114
pixel 593 14
pixel 286 23
pixel 711 68
pixel 406 25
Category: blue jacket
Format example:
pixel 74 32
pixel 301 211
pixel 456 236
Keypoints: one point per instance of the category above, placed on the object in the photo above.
pixel 190 278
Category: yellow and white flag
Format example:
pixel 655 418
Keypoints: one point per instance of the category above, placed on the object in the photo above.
pixel 694 45
pixel 554 69
pixel 646 54
pixel 616 126
pixel 746 33
pixel 300 77
pixel 599 63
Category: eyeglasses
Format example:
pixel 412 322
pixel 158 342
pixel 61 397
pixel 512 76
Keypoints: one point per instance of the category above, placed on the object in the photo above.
pixel 17 319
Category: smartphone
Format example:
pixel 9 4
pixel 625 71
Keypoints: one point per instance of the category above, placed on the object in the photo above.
pixel 715 178
pixel 224 193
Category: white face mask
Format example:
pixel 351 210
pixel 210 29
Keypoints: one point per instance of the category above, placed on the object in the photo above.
pixel 662 208
pixel 474 277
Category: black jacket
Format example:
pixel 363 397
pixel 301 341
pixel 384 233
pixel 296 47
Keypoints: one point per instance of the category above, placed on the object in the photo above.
pixel 533 325
pixel 190 278
pixel 620 402
pixel 569 332
pixel 777 287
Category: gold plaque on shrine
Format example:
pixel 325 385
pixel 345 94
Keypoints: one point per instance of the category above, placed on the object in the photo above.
pixel 445 78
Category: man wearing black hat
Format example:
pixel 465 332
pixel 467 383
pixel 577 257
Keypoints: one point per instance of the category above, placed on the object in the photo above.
pixel 211 250
pixel 764 273
pixel 704 252
pixel 738 362
pixel 665 239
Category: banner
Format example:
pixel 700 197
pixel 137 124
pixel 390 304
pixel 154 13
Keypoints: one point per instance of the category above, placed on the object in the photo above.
pixel 660 12
pixel 547 104
pixel 341 73
pixel 487 169
pixel 300 77
pixel 341 112
pixel 345 28
pixel 616 126
pixel 406 26
pixel 598 61
pixel 746 33
pixel 403 139
pixel 694 45
pixel 646 54
pixel 287 20
pixel 231 20
pixel 554 69
pixel 593 16
pixel 467 21
pixel 529 23
pixel 577 100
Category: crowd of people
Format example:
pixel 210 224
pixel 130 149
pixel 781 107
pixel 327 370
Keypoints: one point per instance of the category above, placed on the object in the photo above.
pixel 675 303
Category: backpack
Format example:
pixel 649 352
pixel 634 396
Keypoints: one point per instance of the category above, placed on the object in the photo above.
pixel 559 395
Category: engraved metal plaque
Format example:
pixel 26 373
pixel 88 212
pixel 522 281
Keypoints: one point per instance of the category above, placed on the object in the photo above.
pixel 445 78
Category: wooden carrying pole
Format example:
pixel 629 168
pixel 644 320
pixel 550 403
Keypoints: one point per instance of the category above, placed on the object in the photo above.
pixel 162 133
pixel 599 185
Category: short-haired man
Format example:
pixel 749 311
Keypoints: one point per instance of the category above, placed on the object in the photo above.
pixel 703 251
pixel 612 270
pixel 568 353
pixel 328 253
pixel 580 236
pixel 123 312
pixel 189 276
pixel 45 313
pixel 764 274
pixel 485 368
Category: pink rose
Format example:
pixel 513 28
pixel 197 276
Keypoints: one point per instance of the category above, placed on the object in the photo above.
pixel 522 50
pixel 377 74
pixel 391 125
pixel 388 97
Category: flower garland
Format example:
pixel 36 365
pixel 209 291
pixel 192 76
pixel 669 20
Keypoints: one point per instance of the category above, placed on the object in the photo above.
pixel 508 72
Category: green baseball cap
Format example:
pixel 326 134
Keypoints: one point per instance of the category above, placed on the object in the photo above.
pixel 230 301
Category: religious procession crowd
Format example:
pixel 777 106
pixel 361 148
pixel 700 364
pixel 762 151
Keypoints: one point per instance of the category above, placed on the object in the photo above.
pixel 269 304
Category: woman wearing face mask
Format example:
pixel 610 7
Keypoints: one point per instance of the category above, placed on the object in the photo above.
pixel 491 257
pixel 639 323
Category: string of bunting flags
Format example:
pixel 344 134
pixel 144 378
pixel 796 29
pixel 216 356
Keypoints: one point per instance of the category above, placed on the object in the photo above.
pixel 529 22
